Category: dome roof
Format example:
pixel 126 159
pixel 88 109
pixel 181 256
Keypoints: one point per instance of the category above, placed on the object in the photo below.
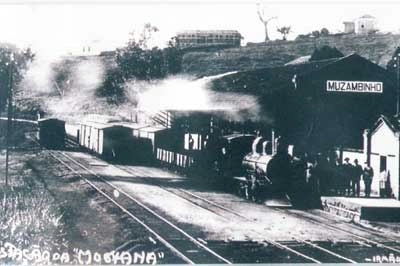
pixel 367 16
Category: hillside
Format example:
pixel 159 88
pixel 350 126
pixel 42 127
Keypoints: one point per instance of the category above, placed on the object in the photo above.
pixel 377 48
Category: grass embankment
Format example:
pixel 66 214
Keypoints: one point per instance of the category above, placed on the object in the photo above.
pixel 30 217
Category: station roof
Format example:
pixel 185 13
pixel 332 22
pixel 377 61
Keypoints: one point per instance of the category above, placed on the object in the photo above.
pixel 299 60
pixel 270 80
pixel 392 122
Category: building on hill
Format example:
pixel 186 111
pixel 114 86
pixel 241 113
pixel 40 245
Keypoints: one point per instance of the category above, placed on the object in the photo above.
pixel 322 104
pixel 204 38
pixel 363 25
pixel 366 24
pixel 349 27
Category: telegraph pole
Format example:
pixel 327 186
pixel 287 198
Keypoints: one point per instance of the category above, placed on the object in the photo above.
pixel 9 113
pixel 398 84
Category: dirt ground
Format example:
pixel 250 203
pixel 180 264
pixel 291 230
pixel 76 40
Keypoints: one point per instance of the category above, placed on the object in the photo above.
pixel 86 223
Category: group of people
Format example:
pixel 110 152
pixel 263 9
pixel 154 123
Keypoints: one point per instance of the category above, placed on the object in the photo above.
pixel 352 175
pixel 340 179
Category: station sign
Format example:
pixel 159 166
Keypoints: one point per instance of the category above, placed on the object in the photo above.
pixel 354 86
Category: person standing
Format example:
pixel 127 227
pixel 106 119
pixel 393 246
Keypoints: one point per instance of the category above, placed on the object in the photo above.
pixel 367 175
pixel 348 172
pixel 355 179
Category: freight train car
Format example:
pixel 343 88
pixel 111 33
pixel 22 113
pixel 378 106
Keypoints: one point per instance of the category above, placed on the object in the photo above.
pixel 110 141
pixel 52 133
pixel 214 158
pixel 145 139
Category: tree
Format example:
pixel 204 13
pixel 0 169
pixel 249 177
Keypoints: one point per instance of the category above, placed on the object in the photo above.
pixel 172 60
pixel 392 64
pixel 285 30
pixel 144 37
pixel 324 32
pixel 325 52
pixel 19 59
pixel 138 61
pixel 316 34
pixel 112 87
pixel 264 20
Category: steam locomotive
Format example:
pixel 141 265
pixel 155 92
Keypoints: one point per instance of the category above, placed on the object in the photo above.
pixel 271 173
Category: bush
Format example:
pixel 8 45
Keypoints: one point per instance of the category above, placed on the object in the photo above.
pixel 325 52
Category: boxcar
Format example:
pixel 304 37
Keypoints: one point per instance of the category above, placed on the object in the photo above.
pixel 109 141
pixel 145 141
pixel 52 133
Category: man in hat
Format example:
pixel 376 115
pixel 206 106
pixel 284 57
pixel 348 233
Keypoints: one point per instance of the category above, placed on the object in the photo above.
pixel 348 172
pixel 368 174
pixel 355 179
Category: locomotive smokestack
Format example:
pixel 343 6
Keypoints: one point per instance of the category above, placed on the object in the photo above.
pixel 254 145
pixel 273 142
pixel 264 147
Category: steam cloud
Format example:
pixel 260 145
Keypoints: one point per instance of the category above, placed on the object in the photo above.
pixel 72 99
pixel 75 98
pixel 187 94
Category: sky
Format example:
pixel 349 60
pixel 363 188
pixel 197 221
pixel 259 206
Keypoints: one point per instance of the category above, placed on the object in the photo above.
pixel 66 26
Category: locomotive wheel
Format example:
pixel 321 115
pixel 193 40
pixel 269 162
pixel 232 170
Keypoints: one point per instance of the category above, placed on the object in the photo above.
pixel 242 190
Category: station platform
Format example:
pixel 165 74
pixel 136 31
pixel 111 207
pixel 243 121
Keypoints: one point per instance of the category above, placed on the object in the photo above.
pixel 357 209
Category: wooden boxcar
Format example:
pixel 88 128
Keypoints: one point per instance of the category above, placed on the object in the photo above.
pixel 145 141
pixel 110 141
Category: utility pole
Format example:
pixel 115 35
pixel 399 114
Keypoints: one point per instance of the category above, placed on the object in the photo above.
pixel 398 84
pixel 9 112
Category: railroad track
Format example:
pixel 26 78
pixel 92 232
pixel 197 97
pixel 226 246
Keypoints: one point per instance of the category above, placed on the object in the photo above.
pixel 339 251
pixel 301 248
pixel 305 247
pixel 187 247
pixel 379 246
pixel 181 243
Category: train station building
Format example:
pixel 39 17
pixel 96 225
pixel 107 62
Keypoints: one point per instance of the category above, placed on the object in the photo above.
pixel 381 148
pixel 318 105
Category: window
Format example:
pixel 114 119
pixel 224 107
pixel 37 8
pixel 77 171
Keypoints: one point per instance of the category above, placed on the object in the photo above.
pixel 192 141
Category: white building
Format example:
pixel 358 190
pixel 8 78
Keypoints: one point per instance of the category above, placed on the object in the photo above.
pixel 203 38
pixel 349 27
pixel 382 148
pixel 366 24
pixel 362 25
